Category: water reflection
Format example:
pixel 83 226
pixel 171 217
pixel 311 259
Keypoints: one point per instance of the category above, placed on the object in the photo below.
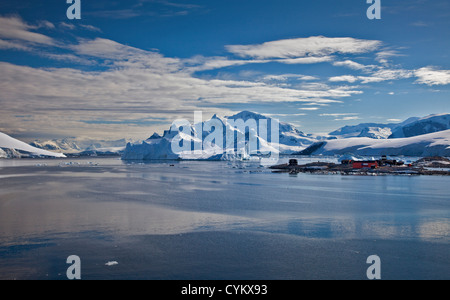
pixel 176 197
pixel 196 205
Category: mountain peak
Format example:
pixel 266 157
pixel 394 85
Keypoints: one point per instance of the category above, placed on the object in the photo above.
pixel 155 136
pixel 425 125
pixel 245 115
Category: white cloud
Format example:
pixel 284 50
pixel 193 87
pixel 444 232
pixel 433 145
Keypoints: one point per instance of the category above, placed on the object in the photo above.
pixel 346 78
pixel 285 115
pixel 304 60
pixel 15 29
pixel 393 74
pixel 71 26
pixel 133 84
pixel 420 24
pixel 378 76
pixel 304 47
pixel 352 65
pixel 46 24
pixel 285 77
pixel 339 115
pixel 67 25
pixel 432 76
pixel 348 118
pixel 383 56
pixel 342 116
pixel 309 108
pixel 90 27
pixel 13 45
pixel 200 63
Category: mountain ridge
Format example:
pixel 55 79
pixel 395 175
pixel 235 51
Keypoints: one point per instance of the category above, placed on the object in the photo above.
pixel 290 139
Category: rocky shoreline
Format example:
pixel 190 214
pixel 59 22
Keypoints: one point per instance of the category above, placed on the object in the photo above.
pixel 439 166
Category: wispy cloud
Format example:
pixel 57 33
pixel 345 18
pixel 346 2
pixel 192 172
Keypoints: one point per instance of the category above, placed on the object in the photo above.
pixel 348 118
pixel 134 82
pixel 344 78
pixel 384 55
pixel 285 77
pixel 420 24
pixel 309 108
pixel 90 28
pixel 432 76
pixel 338 114
pixel 67 25
pixel 378 76
pixel 129 83
pixel 342 116
pixel 149 8
pixel 317 46
pixel 394 120
pixel 353 65
pixel 14 32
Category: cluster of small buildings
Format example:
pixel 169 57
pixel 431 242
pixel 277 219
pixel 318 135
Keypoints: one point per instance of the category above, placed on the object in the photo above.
pixel 373 164
pixel 381 166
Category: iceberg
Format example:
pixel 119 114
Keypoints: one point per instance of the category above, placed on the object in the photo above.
pixel 162 148
pixel 234 138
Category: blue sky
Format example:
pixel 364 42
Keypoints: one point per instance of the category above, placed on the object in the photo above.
pixel 129 68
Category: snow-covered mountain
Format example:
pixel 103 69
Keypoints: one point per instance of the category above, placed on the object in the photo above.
pixel 432 144
pixel 290 138
pixel 415 136
pixel 11 148
pixel 83 147
pixel 429 124
pixel 64 145
pixel 207 143
pixel 411 127
pixel 371 130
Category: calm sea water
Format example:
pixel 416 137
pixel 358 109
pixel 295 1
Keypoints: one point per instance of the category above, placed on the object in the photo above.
pixel 217 220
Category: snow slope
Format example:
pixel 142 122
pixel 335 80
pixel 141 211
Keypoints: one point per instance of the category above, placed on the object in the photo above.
pixel 429 124
pixel 3 154
pixel 9 143
pixel 371 130
pixel 78 146
pixel 62 146
pixel 290 139
pixel 432 144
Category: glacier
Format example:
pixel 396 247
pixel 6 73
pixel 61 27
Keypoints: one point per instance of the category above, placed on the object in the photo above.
pixel 428 124
pixel 425 145
pixel 11 147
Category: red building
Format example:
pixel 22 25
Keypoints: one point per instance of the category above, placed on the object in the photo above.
pixel 365 164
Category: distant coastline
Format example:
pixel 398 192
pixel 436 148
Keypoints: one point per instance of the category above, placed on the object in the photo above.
pixel 424 166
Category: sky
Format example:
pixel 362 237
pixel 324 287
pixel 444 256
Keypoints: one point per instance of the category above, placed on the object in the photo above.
pixel 127 69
